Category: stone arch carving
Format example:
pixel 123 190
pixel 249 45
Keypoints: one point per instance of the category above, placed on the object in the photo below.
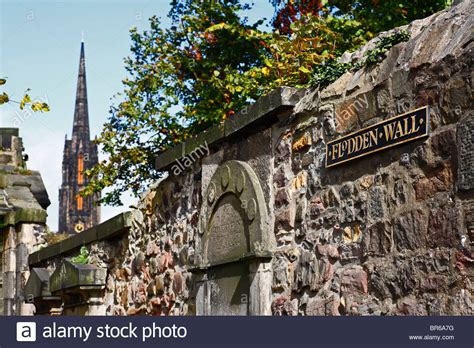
pixel 233 201
pixel 234 246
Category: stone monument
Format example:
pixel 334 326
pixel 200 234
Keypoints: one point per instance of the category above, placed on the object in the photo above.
pixel 234 244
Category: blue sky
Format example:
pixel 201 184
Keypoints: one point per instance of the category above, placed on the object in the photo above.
pixel 39 49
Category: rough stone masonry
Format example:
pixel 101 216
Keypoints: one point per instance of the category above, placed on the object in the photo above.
pixel 23 204
pixel 261 226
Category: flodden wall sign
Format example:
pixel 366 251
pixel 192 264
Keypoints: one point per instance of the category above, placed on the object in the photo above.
pixel 394 131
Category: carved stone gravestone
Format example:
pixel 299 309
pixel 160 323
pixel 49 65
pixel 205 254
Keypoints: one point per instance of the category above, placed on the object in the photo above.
pixel 228 229
pixel 234 246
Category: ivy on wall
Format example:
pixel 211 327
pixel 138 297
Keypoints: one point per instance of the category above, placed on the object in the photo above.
pixel 328 72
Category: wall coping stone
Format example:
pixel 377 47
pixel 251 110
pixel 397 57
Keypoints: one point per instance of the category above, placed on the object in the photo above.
pixel 106 230
pixel 38 284
pixel 280 99
pixel 70 275
pixel 23 215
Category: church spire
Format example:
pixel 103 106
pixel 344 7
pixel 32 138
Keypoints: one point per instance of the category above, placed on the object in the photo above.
pixel 77 213
pixel 81 114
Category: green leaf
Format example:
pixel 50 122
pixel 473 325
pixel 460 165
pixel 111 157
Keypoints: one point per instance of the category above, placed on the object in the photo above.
pixel 82 258
pixel 303 69
pixel 37 106
pixel 44 107
pixel 27 98
pixel 268 63
pixel 214 27
pixel 4 98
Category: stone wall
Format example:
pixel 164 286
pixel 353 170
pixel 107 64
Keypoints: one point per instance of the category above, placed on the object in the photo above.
pixel 249 219
pixel 23 203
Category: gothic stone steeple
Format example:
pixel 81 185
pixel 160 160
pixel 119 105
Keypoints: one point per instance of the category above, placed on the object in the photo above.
pixel 77 213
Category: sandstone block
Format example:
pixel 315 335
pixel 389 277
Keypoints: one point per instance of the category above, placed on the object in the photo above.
pixel 282 198
pixel 354 280
pixel 440 180
pixel 323 305
pixel 409 231
pixel 443 144
pixel 302 142
pixel 443 227
pixel 377 239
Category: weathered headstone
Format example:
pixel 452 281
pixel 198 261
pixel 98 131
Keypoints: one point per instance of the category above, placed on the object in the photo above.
pixel 229 230
pixel 234 220
pixel 234 233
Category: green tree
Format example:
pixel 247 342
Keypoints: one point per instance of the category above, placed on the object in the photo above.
pixel 200 71
pixel 376 16
pixel 289 12
pixel 181 80
pixel 208 65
